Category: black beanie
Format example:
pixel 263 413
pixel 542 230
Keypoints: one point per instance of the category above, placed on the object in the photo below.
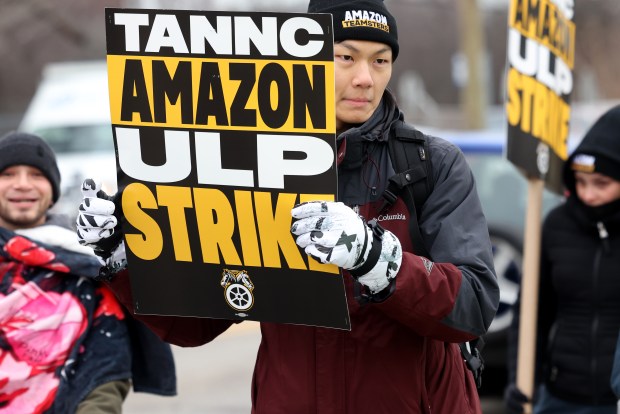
pixel 599 151
pixel 19 148
pixel 360 20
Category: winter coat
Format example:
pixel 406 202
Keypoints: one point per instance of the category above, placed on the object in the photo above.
pixel 580 306
pixel 579 288
pixel 401 355
pixel 62 333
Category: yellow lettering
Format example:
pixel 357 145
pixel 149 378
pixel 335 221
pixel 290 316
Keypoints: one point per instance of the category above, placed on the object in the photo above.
pixel 531 8
pixel 562 135
pixel 216 225
pixel 149 244
pixel 558 121
pixel 537 110
pixel 247 228
pixel 513 106
pixel 540 112
pixel 275 230
pixel 515 17
pixel 527 93
pixel 253 225
pixel 542 21
pixel 177 199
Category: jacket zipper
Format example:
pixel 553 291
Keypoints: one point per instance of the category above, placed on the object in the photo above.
pixel 604 236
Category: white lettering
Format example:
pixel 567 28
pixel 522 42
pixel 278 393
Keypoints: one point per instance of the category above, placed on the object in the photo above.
pixel 386 217
pixel 526 64
pixel 272 167
pixel 178 163
pixel 132 23
pixel 536 61
pixel 287 37
pixel 365 15
pixel 567 7
pixel 218 39
pixel 166 32
pixel 265 41
pixel 270 149
pixel 561 80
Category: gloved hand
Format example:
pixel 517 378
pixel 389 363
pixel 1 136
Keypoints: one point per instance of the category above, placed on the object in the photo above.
pixel 96 226
pixel 514 399
pixel 332 232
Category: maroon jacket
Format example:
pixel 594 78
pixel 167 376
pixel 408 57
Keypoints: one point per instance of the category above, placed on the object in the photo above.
pixel 401 356
pixel 303 370
pixel 388 363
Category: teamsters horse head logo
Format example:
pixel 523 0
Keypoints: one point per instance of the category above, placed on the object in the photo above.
pixel 237 289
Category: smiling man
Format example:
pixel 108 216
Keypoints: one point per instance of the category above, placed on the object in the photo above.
pixel 29 181
pixel 65 343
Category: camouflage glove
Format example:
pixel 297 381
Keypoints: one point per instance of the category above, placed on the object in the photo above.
pixel 332 232
pixel 96 227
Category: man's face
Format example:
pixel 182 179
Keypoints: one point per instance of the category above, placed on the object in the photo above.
pixel 363 70
pixel 25 197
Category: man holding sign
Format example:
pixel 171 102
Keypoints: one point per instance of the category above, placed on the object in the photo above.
pixel 408 313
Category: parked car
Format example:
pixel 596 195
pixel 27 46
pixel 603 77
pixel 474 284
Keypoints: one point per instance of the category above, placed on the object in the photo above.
pixel 70 110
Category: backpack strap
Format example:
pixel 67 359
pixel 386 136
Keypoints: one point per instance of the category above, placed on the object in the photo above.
pixel 413 182
pixel 413 178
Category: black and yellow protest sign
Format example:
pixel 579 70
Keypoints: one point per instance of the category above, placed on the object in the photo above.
pixel 541 57
pixel 223 122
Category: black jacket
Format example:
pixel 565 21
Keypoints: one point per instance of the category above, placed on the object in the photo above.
pixel 579 291
pixel 579 308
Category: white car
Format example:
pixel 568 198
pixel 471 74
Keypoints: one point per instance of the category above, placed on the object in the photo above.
pixel 70 110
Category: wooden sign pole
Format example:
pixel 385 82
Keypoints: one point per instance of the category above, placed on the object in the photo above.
pixel 529 290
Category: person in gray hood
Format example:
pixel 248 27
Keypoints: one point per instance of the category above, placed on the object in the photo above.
pixel 579 292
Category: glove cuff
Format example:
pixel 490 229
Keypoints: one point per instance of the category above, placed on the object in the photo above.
pixel 116 262
pixel 375 250
pixel 106 247
pixel 363 295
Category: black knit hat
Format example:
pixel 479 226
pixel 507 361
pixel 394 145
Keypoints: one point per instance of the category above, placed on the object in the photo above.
pixel 360 20
pixel 19 148
pixel 599 151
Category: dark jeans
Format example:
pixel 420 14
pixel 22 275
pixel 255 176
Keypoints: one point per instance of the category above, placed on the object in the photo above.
pixel 548 404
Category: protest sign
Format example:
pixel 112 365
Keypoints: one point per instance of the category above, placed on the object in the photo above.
pixel 222 122
pixel 541 57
